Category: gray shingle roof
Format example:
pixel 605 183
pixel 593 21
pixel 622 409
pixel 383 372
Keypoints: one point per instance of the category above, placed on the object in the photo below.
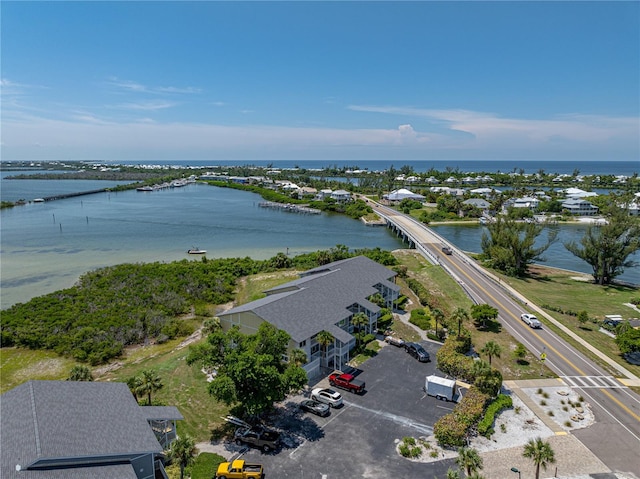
pixel 169 413
pixel 51 420
pixel 320 298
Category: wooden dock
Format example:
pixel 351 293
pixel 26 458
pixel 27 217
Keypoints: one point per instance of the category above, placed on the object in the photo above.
pixel 290 208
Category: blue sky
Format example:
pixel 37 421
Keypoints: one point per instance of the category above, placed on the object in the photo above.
pixel 320 80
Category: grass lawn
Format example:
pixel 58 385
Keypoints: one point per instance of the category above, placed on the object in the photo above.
pixel 559 289
pixel 184 387
pixel 252 287
pixel 20 365
pixel 450 296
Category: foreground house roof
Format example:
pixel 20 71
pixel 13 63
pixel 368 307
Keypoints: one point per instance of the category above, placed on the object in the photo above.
pixel 70 429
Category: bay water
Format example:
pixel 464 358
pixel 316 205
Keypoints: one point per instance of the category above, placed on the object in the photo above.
pixel 48 246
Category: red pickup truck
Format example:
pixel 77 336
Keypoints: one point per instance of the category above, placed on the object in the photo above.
pixel 346 381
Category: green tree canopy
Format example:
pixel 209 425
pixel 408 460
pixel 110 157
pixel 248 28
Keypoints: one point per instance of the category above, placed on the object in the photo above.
pixel 483 312
pixel 606 248
pixel 251 372
pixel 509 245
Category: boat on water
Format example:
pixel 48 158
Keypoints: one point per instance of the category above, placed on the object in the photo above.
pixel 196 251
pixel 144 188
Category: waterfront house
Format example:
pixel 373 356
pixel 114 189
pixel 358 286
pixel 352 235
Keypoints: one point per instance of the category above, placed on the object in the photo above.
pixel 481 204
pixel 403 194
pixel 341 196
pixel 82 430
pixel 322 299
pixel 324 193
pixel 579 206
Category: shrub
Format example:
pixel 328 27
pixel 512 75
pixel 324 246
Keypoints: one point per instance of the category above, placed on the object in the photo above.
pixel 498 404
pixel 405 451
pixel 451 430
pixel 410 441
pixel 421 318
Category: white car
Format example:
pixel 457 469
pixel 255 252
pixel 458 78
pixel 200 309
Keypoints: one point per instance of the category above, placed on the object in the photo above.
pixel 327 396
pixel 531 320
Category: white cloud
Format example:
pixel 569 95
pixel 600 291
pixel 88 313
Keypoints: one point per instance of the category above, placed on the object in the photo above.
pixel 135 87
pixel 145 105
pixel 485 135
pixel 490 129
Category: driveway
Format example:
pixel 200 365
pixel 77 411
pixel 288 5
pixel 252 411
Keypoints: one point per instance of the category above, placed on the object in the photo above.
pixel 360 438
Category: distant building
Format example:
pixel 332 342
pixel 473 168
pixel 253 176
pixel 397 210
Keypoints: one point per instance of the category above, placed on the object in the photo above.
pixel 479 203
pixel 403 194
pixel 579 207
pixel 341 196
pixel 82 430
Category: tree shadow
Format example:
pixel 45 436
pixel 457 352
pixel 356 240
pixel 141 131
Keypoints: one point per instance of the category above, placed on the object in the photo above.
pixel 489 326
pixel 523 362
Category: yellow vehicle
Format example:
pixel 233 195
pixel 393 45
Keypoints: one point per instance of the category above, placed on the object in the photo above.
pixel 239 469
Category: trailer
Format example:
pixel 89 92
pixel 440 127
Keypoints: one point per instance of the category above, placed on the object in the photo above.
pixel 441 388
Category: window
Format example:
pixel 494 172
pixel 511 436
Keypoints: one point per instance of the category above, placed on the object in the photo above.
pixel 302 344
pixel 315 348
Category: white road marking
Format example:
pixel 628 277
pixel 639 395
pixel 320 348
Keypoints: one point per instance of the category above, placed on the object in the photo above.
pixel 405 421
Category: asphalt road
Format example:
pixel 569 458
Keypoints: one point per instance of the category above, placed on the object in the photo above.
pixel 615 438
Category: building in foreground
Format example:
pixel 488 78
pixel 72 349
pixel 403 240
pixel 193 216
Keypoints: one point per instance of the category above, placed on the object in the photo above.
pixel 322 299
pixel 82 430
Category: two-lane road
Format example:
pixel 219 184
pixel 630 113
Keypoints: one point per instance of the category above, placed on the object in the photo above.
pixel 615 437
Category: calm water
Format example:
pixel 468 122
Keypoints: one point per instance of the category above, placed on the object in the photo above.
pixel 47 246
pixel 468 238
pixel 14 190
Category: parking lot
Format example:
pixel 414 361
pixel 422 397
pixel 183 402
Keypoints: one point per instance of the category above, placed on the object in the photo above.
pixel 360 438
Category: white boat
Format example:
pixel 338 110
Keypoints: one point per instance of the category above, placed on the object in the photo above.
pixel 196 251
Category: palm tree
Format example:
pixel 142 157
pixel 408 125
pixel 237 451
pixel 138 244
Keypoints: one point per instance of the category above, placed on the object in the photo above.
pixel 149 382
pixel 469 459
pixel 183 450
pixel 298 357
pixel 438 316
pixel 359 320
pixel 80 373
pixel 540 453
pixel 133 382
pixel 459 315
pixel 480 368
pixel 324 338
pixel 491 348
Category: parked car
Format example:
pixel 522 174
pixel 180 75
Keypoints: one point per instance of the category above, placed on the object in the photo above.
pixel 260 437
pixel 239 469
pixel 315 407
pixel 418 352
pixel 394 340
pixel 327 396
pixel 348 382
pixel 531 320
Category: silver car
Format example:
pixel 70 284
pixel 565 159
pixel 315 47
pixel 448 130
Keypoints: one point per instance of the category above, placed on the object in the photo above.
pixel 531 320
pixel 327 396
